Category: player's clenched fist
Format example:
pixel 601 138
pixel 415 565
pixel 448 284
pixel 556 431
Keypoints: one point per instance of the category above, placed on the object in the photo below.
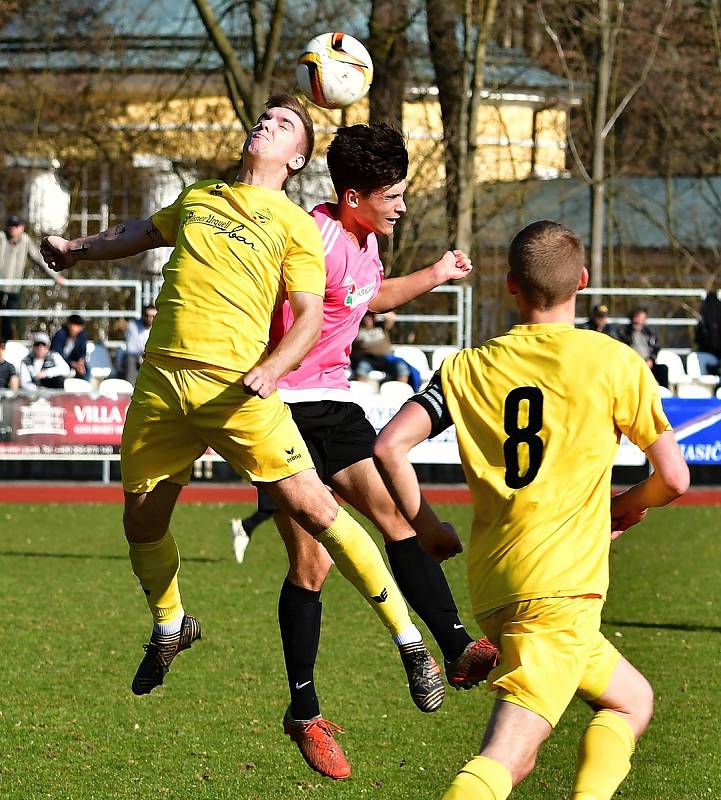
pixel 58 253
pixel 260 381
pixel 453 265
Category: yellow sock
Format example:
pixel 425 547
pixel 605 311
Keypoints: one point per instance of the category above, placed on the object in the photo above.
pixel 156 566
pixel 360 562
pixel 604 757
pixel 481 779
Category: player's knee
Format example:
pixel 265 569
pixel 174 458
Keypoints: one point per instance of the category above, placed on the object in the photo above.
pixel 641 709
pixel 316 513
pixel 139 526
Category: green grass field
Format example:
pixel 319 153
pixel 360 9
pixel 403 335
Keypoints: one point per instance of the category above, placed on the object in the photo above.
pixel 74 621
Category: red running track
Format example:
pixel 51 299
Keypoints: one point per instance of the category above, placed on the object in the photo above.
pixel 241 493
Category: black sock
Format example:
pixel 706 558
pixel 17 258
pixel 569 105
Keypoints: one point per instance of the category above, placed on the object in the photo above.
pixel 299 613
pixel 251 523
pixel 424 586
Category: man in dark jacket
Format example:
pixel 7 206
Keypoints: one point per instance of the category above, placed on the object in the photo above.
pixel 598 321
pixel 71 342
pixel 643 340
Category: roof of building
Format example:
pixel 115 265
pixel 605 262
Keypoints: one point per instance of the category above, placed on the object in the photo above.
pixel 156 36
pixel 646 212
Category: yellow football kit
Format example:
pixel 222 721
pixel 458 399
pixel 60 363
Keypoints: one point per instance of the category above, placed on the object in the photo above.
pixel 539 413
pixel 238 250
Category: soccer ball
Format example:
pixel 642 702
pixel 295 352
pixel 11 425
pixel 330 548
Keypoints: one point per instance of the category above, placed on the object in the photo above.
pixel 334 70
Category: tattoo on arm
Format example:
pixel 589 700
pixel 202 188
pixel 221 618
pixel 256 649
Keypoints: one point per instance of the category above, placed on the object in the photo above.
pixel 153 233
pixel 120 229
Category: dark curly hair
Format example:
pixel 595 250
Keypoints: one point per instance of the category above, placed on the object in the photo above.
pixel 367 158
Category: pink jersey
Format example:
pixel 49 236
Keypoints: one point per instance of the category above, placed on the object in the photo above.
pixel 353 278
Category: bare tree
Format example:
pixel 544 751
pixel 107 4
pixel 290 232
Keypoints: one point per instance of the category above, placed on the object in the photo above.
pixel 247 87
pixel 605 18
pixel 388 45
pixel 459 71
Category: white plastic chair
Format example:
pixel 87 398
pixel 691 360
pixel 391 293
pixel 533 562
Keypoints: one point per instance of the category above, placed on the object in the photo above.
pixel 440 354
pixel 112 387
pixel 77 386
pixel 361 389
pixel 415 357
pixel 98 360
pixel 676 373
pixel 695 390
pixel 396 391
pixel 15 352
pixel 698 364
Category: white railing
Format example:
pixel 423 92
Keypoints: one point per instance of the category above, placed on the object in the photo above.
pixel 651 294
pixel 461 320
pixel 135 311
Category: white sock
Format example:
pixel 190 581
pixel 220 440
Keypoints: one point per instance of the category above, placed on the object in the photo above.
pixel 408 636
pixel 170 627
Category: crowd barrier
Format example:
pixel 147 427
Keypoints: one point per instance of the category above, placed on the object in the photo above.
pixel 81 427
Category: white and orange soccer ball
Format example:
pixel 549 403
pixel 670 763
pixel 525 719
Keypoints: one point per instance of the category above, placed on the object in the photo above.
pixel 334 70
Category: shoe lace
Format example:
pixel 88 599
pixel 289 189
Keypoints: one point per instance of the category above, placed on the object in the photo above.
pixel 325 726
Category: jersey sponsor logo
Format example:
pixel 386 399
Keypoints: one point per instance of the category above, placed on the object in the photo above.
pixel 221 225
pixel 262 216
pixel 356 296
pixel 217 192
pixel 236 234
pixel 382 597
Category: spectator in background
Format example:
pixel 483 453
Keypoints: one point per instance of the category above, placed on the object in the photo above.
pixel 71 342
pixel 372 350
pixel 136 337
pixel 598 321
pixel 8 375
pixel 708 330
pixel 43 368
pixel 642 339
pixel 15 249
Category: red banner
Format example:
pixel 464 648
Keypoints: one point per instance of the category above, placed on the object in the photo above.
pixel 61 424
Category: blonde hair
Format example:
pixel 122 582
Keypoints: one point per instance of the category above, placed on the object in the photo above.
pixel 546 260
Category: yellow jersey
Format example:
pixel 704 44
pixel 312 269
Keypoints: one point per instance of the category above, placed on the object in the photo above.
pixel 238 250
pixel 539 413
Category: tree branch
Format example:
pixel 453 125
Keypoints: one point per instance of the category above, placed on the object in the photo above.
pixel 273 41
pixel 658 33
pixel 240 85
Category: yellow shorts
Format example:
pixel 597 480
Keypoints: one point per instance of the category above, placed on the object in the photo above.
pixel 176 412
pixel 551 649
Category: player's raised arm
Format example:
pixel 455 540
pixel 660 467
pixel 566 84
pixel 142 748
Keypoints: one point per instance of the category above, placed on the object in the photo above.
pixel 123 240
pixel 293 347
pixel 669 480
pixel 409 427
pixel 394 292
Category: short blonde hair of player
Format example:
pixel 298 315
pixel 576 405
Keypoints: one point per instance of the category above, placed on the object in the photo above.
pixel 546 261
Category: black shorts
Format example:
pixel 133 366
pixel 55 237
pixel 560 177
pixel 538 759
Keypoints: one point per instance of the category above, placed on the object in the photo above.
pixel 338 435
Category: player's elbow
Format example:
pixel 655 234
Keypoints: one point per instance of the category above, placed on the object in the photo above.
pixel 679 481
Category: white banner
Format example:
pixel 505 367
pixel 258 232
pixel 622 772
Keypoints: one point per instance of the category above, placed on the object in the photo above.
pixel 444 448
